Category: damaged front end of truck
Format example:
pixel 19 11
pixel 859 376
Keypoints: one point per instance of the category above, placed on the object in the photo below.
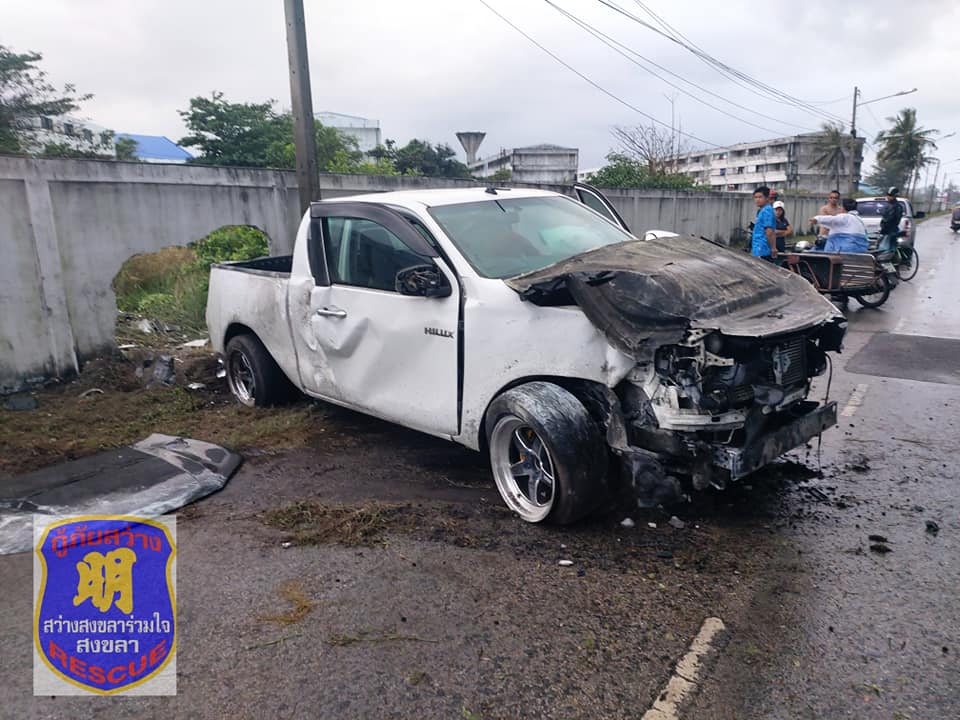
pixel 725 347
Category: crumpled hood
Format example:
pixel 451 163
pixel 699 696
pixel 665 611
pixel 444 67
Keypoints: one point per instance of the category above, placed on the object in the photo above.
pixel 645 293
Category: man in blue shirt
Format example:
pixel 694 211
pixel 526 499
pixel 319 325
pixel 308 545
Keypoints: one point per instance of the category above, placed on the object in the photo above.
pixel 764 241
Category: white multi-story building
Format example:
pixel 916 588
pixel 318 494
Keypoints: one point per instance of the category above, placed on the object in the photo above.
pixel 81 135
pixel 364 130
pixel 549 164
pixel 782 163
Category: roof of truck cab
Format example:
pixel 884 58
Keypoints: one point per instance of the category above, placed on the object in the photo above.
pixel 414 199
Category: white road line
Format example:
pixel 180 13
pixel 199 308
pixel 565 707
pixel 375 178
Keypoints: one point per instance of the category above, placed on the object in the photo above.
pixel 855 401
pixel 684 678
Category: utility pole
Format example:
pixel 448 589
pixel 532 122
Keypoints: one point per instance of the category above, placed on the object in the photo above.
pixel 304 133
pixel 853 144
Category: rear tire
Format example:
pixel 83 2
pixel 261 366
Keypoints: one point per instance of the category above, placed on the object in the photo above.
pixel 253 375
pixel 878 298
pixel 907 270
pixel 548 456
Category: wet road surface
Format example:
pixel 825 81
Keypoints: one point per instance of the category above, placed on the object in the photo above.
pixel 838 630
pixel 452 608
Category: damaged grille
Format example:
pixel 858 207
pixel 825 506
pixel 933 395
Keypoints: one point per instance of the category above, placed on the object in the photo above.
pixel 788 361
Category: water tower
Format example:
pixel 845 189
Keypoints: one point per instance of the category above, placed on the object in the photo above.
pixel 471 143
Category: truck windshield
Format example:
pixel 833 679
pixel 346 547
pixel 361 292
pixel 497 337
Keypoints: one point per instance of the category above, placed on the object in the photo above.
pixel 503 237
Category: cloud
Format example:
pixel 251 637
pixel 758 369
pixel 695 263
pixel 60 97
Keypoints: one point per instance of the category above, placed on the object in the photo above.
pixel 428 68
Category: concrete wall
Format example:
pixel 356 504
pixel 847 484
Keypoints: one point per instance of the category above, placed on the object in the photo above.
pixel 711 214
pixel 67 226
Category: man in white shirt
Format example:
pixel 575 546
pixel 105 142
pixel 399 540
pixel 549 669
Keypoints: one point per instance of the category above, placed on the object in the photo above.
pixel 847 231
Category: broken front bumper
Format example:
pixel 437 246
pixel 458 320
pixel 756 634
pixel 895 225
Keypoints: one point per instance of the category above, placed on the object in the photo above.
pixel 772 444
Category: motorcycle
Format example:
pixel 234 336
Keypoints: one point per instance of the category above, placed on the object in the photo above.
pixel 955 219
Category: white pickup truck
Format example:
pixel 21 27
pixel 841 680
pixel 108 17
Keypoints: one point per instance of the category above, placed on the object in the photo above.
pixel 533 326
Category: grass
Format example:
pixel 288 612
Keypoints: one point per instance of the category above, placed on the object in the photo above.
pixel 68 424
pixel 313 523
pixel 171 285
pixel 300 605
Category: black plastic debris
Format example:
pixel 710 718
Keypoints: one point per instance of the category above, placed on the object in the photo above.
pixel 21 402
pixel 150 478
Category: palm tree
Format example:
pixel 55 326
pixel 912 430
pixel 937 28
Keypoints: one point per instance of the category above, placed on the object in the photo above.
pixel 905 146
pixel 831 148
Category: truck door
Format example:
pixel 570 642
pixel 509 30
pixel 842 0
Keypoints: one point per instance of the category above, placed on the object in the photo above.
pixel 386 319
pixel 595 200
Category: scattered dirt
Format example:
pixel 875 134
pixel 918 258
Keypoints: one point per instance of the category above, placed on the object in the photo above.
pixel 107 406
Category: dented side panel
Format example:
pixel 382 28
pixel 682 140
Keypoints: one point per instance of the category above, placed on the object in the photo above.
pixel 508 340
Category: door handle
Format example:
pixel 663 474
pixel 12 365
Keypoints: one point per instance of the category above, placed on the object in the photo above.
pixel 332 312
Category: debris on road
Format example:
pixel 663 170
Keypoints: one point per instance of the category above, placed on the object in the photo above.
pixel 144 326
pixel 861 463
pixel 877 539
pixel 87 393
pixel 202 342
pixel 627 523
pixel 154 476
pixel 881 548
pixel 565 563
pixel 677 523
pixel 21 402
pixel 652 525
pixel 932 527
pixel 196 386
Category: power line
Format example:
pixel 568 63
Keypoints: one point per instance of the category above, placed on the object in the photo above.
pixel 616 45
pixel 688 44
pixel 593 82
pixel 755 86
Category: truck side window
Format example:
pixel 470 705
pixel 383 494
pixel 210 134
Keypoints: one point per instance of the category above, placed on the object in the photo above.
pixel 363 253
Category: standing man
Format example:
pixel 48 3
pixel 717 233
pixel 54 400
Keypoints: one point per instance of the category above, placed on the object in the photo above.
pixel 890 221
pixel 764 241
pixel 831 208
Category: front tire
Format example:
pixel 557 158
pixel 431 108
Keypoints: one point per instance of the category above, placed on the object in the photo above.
pixel 253 375
pixel 548 456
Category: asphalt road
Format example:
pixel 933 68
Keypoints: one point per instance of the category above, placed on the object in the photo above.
pixel 836 630
pixel 454 609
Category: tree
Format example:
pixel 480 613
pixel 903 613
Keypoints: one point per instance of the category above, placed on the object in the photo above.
pixel 831 148
pixel 126 149
pixel 420 157
pixel 344 163
pixel 254 135
pixel 654 146
pixel 501 175
pixel 26 94
pixel 904 149
pixel 628 172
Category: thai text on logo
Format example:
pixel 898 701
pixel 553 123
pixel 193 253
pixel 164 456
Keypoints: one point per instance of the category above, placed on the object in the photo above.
pixel 105 615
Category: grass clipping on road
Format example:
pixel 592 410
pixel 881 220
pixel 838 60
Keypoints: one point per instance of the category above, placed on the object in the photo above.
pixel 314 523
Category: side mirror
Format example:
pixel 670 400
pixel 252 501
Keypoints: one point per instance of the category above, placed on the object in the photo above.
pixel 919 214
pixel 423 281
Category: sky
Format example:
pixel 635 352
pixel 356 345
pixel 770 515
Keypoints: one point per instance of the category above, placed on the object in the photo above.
pixel 430 68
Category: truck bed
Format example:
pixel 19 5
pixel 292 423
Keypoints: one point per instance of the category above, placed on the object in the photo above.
pixel 253 294
pixel 272 265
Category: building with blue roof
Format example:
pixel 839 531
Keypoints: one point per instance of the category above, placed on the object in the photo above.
pixel 157 149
